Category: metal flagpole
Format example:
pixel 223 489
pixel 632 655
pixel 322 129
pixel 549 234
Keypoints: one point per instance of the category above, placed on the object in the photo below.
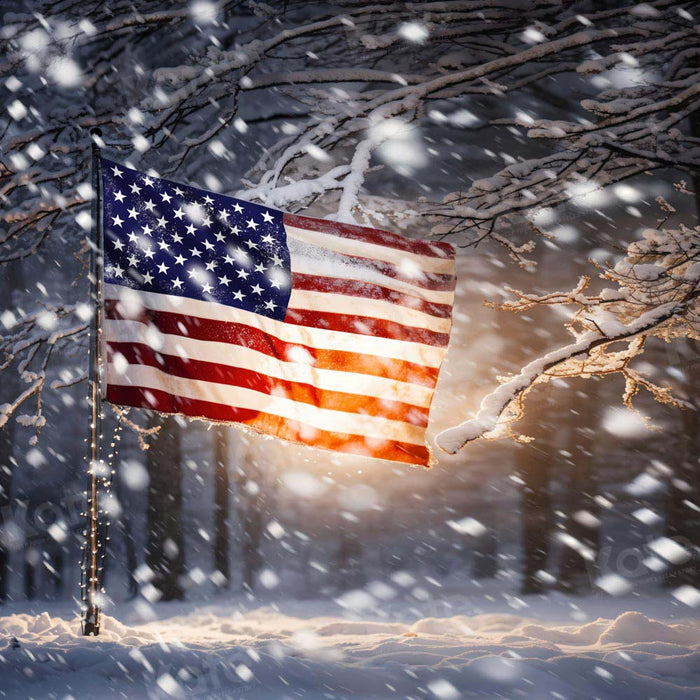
pixel 91 618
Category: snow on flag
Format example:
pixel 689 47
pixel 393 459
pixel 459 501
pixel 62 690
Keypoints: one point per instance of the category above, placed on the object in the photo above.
pixel 315 332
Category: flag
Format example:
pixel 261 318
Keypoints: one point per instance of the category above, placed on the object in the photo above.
pixel 316 332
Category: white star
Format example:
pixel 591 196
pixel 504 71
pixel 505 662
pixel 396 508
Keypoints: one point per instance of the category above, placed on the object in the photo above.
pixel 177 282
pixel 179 213
pixel 150 205
pixel 219 236
pixel 163 245
pixel 206 288
pixel 210 266
pixel 228 259
pixel 179 260
pixel 163 268
pixel 119 196
pixel 242 274
pixel 251 244
pixel 267 238
pixel 257 289
pixel 177 237
pixel 197 253
pixel 224 280
pixel 260 268
pixel 206 222
pixel 148 181
pixel 237 208
pixel 270 305
pixel 238 295
pixel 276 260
pixel 147 230
pixel 132 237
pixel 118 245
pixel 208 244
pixel 149 253
pixel 208 200
pixel 166 197
pixel 133 260
pixel 162 222
pixel 133 214
pixel 148 278
pixel 223 215
pixel 251 224
pixel 118 272
pixel 117 221
pixel 267 217
pixel 117 172
pixel 178 191
pixel 135 188
pixel 191 229
pixel 235 230
pixel 193 274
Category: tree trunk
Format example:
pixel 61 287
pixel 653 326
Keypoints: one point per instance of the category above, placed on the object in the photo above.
pixel 126 527
pixel 534 468
pixel 583 524
pixel 252 535
pixel 7 439
pixel 164 550
pixel 31 559
pixel 10 279
pixel 350 570
pixel 485 556
pixel 56 575
pixel 221 502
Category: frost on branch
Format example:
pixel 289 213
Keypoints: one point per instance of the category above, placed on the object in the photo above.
pixel 654 295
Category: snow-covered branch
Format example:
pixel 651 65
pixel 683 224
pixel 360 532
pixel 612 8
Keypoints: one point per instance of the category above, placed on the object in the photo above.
pixel 326 97
pixel 656 295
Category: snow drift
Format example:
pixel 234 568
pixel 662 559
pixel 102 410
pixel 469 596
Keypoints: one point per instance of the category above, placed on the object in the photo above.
pixel 215 652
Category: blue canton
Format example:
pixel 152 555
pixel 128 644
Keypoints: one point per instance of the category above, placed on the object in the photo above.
pixel 161 236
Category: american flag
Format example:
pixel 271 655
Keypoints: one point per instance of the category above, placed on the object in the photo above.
pixel 319 333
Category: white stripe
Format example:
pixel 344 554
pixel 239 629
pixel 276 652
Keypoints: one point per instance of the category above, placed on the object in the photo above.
pixel 401 258
pixel 362 306
pixel 320 418
pixel 321 338
pixel 236 356
pixel 311 260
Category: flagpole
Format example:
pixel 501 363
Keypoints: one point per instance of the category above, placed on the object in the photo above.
pixel 91 618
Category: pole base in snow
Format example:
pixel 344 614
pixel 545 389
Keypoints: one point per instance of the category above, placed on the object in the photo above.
pixel 91 622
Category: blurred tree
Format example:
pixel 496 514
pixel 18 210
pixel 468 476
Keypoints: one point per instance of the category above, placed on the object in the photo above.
pixel 165 553
pixel 11 284
pixel 221 502
pixel 349 560
pixel 252 494
pixel 534 467
pixel 125 526
pixel 579 555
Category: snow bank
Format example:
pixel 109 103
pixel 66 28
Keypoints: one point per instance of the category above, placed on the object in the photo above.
pixel 265 654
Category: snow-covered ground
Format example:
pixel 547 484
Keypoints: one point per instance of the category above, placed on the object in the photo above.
pixel 447 647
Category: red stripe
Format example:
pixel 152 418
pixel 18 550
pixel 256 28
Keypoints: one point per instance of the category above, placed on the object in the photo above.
pixel 269 424
pixel 256 339
pixel 355 288
pixel 425 280
pixel 433 249
pixel 364 325
pixel 136 353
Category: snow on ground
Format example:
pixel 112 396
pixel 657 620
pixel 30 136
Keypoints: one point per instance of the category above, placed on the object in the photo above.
pixel 323 649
